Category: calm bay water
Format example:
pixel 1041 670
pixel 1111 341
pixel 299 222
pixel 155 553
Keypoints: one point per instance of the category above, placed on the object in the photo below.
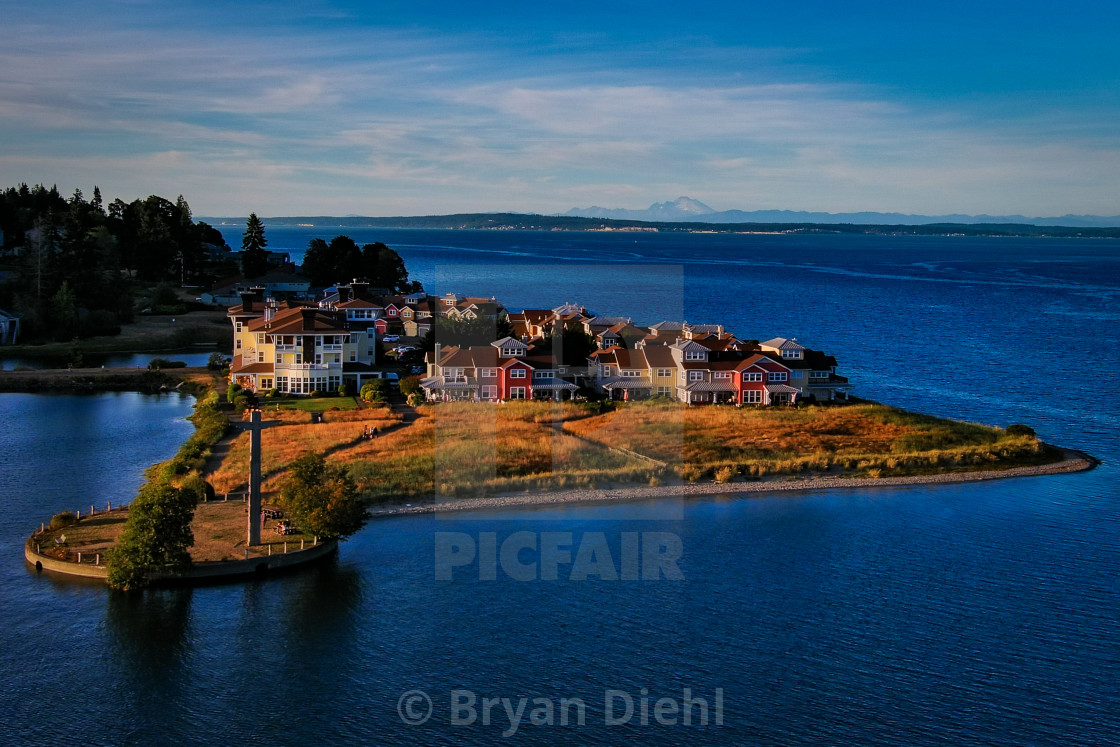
pixel 971 614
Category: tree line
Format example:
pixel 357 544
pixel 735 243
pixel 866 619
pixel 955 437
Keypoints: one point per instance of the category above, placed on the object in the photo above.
pixel 72 266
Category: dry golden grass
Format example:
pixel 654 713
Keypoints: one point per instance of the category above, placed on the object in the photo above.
pixel 292 435
pixel 702 442
pixel 478 448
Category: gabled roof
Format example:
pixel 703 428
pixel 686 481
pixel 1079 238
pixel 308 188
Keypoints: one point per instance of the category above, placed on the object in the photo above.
pixel 689 346
pixel 781 343
pixel 357 303
pixel 509 342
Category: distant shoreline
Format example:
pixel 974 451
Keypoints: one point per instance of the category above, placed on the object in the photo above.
pixel 529 222
pixel 1072 461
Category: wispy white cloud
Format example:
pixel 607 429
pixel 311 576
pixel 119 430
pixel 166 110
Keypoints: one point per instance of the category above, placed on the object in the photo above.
pixel 312 120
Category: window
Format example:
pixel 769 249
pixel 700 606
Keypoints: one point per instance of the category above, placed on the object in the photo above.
pixel 489 392
pixel 695 355
pixel 721 375
pixel 299 358
pixel 237 326
pixel 371 332
pixel 818 374
pixel 777 376
pixel 517 392
pixel 664 372
pixel 517 373
pixel 318 359
pixel 791 353
pixel 355 337
pixel 751 376
pixel 282 383
pixel 260 338
pixel 266 383
pixel 509 352
pixel 632 374
pixel 353 355
pixel 488 373
pixel 695 375
pixel 544 374
pixel 752 397
pixel 664 391
pixel 237 343
pixel 369 352
pixel 260 356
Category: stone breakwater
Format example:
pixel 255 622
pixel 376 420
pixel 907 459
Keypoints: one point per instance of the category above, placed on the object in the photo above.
pixel 1072 461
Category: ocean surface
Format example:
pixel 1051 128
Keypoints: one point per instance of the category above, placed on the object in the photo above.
pixel 985 613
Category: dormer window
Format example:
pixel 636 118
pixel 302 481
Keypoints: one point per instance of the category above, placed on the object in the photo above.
pixel 791 354
pixel 695 355
pixel 509 352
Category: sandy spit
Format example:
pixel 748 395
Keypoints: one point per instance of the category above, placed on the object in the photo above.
pixel 1073 461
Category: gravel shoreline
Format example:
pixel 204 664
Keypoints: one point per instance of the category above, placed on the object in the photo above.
pixel 1073 461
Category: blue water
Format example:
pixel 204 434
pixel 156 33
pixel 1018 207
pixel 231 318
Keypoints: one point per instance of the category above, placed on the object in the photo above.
pixel 983 613
pixel 192 357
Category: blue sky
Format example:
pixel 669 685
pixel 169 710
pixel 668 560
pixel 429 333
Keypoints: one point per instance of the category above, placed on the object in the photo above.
pixel 404 108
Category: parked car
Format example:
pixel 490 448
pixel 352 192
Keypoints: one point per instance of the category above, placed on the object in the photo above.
pixel 416 370
pixel 404 349
pixel 391 338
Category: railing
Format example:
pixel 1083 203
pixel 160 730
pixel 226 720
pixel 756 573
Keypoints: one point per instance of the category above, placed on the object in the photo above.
pixel 330 348
pixel 287 348
pixel 307 366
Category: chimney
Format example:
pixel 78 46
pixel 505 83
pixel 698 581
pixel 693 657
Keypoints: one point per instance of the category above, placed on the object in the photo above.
pixel 247 298
pixel 308 314
pixel 359 289
pixel 343 293
pixel 439 349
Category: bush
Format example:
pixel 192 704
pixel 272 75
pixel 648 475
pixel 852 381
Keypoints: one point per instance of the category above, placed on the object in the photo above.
pixel 232 391
pixel 64 519
pixel 155 364
pixel 1018 429
pixel 410 385
pixel 375 390
pixel 194 486
pixel 217 362
pixel 344 390
pixel 724 474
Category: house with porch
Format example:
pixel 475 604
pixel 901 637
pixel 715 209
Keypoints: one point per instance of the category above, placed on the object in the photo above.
pixel 299 349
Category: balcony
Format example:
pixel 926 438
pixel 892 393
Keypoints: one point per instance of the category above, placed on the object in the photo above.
pixel 308 367
pixel 330 348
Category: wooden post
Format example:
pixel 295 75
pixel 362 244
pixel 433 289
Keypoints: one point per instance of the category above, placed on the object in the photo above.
pixel 270 549
pixel 79 513
pixel 97 559
pixel 92 512
pixel 285 546
pixel 301 543
pixel 79 558
pixel 110 505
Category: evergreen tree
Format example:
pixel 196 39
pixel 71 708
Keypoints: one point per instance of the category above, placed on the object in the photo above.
pixel 254 258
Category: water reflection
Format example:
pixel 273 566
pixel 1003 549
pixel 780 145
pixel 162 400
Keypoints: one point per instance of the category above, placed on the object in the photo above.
pixel 150 633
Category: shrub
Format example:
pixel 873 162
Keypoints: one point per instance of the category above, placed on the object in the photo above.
pixel 155 364
pixel 344 390
pixel 410 385
pixel 64 519
pixel 1018 429
pixel 375 390
pixel 232 391
pixel 724 474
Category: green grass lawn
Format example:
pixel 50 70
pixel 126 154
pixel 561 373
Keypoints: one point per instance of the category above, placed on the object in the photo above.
pixel 307 404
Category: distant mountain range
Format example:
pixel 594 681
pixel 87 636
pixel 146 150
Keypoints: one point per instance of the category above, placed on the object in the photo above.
pixel 686 209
